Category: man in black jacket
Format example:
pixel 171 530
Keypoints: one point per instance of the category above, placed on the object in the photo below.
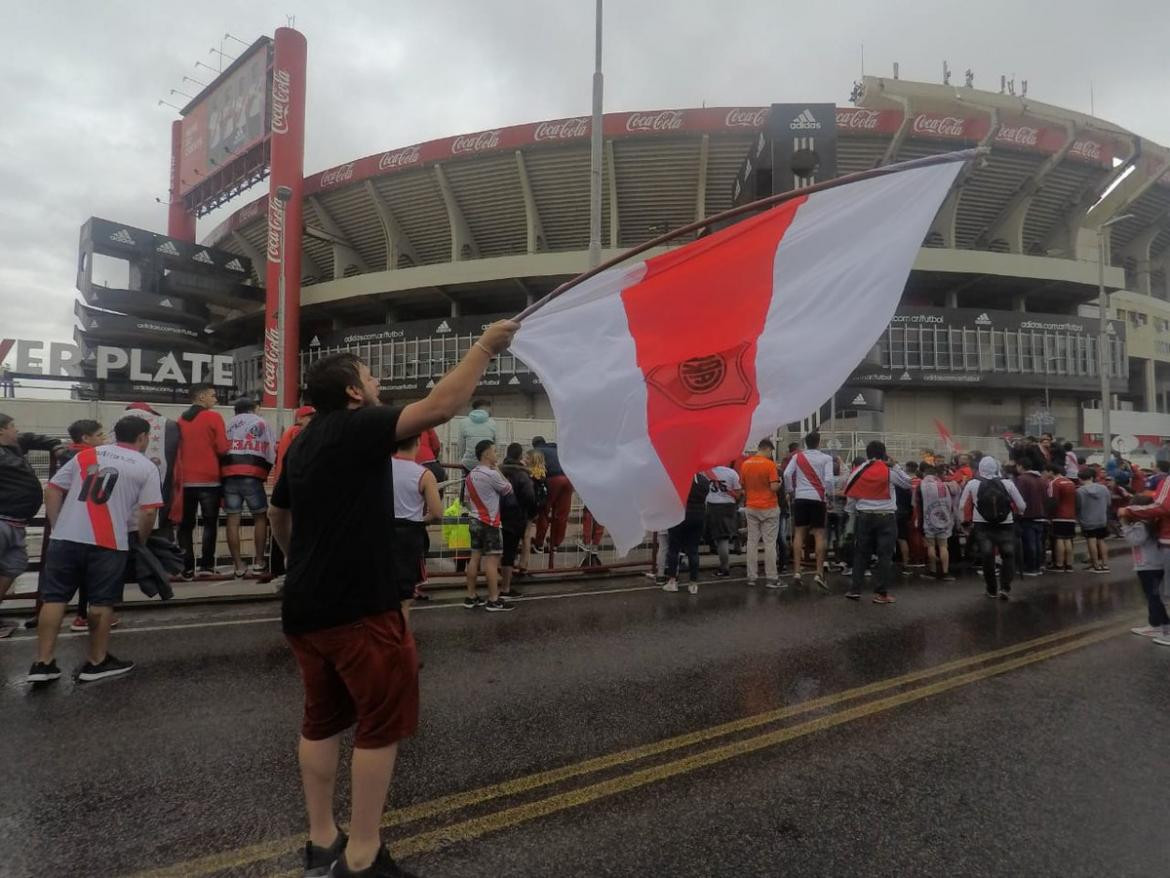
pixel 21 496
pixel 516 511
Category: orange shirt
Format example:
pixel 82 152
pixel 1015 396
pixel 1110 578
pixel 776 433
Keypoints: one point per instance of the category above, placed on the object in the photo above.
pixel 758 473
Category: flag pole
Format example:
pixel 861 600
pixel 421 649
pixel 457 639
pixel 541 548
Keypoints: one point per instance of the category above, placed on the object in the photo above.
pixel 963 155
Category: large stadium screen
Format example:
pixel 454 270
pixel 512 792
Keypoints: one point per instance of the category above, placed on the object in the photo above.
pixel 227 119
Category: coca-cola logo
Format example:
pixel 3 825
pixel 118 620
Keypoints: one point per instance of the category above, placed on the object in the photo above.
pixel 939 126
pixel 667 120
pixel 739 118
pixel 337 175
pixel 399 158
pixel 563 129
pixel 281 92
pixel 1087 149
pixel 275 228
pixel 475 142
pixel 271 359
pixel 1020 135
pixel 865 120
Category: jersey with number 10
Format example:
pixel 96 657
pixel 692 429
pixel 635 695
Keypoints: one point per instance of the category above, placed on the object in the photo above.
pixel 104 487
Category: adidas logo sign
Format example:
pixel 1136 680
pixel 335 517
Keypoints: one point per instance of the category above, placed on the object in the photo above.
pixel 805 122
pixel 166 303
pixel 431 383
pixel 204 257
pixel 443 327
pixel 122 237
pixel 905 376
pixel 166 248
pixel 859 399
pixel 315 343
pixel 983 319
pixel 513 380
pixel 235 265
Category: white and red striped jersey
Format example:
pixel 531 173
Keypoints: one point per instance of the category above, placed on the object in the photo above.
pixel 485 487
pixel 725 485
pixel 104 488
pixel 809 475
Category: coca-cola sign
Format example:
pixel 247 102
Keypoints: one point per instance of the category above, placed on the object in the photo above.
pixel 399 158
pixel 275 228
pixel 562 129
pixel 939 126
pixel 752 118
pixel 666 120
pixel 337 175
pixel 469 143
pixel 858 120
pixel 1018 135
pixel 1090 150
pixel 271 359
pixel 281 91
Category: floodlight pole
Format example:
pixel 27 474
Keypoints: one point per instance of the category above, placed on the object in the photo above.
pixel 595 153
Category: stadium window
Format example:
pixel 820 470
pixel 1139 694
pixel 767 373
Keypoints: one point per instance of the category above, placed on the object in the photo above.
pixel 970 350
pixel 913 347
pixel 929 348
pixel 1011 351
pixel 998 350
pixel 897 348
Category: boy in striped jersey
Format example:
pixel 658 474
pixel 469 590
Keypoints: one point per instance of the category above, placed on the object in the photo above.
pixel 485 486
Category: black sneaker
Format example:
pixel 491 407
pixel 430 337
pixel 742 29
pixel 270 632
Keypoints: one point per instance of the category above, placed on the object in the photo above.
pixel 319 860
pixel 722 574
pixel 109 667
pixel 187 576
pixel 472 603
pixel 43 673
pixel 498 606
pixel 513 592
pixel 853 595
pixel 382 867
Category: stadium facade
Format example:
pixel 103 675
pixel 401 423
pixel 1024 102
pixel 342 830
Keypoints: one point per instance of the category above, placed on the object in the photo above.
pixel 407 252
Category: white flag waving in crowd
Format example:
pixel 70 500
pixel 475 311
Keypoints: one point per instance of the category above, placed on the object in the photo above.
pixel 667 366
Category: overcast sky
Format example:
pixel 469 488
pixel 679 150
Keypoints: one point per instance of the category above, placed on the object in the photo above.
pixel 81 132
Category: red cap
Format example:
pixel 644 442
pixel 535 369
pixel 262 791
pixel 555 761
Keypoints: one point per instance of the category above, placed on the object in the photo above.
pixel 305 411
pixel 142 407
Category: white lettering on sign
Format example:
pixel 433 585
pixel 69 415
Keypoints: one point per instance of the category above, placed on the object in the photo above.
pixel 281 92
pixel 65 359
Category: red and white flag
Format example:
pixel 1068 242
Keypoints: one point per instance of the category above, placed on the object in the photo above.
pixel 665 367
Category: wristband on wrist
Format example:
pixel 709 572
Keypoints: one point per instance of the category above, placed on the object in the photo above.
pixel 484 348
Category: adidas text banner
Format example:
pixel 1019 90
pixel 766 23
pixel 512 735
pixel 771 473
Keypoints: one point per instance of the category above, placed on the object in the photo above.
pixel 668 366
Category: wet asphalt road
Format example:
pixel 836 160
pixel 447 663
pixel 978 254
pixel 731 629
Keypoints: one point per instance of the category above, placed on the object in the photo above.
pixel 1057 767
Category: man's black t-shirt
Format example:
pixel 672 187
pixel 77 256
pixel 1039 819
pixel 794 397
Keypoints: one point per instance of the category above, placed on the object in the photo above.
pixel 340 565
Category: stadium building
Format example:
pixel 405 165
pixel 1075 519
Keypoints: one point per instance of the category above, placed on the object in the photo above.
pixel 408 252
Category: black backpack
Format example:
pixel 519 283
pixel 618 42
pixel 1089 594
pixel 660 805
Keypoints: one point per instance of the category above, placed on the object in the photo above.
pixel 993 501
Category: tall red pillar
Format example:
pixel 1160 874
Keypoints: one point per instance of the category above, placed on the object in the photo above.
pixel 287 168
pixel 180 221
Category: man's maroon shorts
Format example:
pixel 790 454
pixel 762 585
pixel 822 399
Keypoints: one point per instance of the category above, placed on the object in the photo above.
pixel 365 673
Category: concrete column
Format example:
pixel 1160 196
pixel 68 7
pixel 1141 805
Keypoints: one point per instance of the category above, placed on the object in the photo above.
pixel 1021 303
pixel 952 299
pixel 390 315
pixel 456 311
pixel 1151 385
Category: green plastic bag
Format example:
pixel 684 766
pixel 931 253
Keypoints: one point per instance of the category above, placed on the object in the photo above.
pixel 456 535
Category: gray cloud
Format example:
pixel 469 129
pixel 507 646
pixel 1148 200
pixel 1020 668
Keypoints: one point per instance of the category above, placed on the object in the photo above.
pixel 81 134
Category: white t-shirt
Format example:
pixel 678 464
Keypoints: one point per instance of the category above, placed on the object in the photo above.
pixel 725 485
pixel 104 488
pixel 798 484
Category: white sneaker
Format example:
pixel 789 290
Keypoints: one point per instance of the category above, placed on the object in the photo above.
pixel 1162 640
pixel 671 585
pixel 693 588
pixel 1146 631
pixel 774 583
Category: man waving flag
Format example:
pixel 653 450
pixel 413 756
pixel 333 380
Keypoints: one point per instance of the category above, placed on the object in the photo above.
pixel 667 366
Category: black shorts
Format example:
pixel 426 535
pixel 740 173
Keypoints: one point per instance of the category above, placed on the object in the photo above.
pixel 722 521
pixel 511 545
pixel 1095 533
pixel 808 513
pixel 411 544
pixel 904 527
pixel 69 565
pixel 1064 530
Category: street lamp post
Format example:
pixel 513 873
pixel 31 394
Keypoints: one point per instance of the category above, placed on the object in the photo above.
pixel 595 149
pixel 283 195
pixel 1103 359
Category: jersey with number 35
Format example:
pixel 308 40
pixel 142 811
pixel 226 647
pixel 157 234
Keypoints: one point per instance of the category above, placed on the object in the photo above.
pixel 104 488
pixel 725 486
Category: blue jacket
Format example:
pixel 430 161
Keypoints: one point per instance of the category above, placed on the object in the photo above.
pixel 477 426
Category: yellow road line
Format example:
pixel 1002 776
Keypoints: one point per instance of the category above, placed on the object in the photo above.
pixel 243 856
pixel 475 827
